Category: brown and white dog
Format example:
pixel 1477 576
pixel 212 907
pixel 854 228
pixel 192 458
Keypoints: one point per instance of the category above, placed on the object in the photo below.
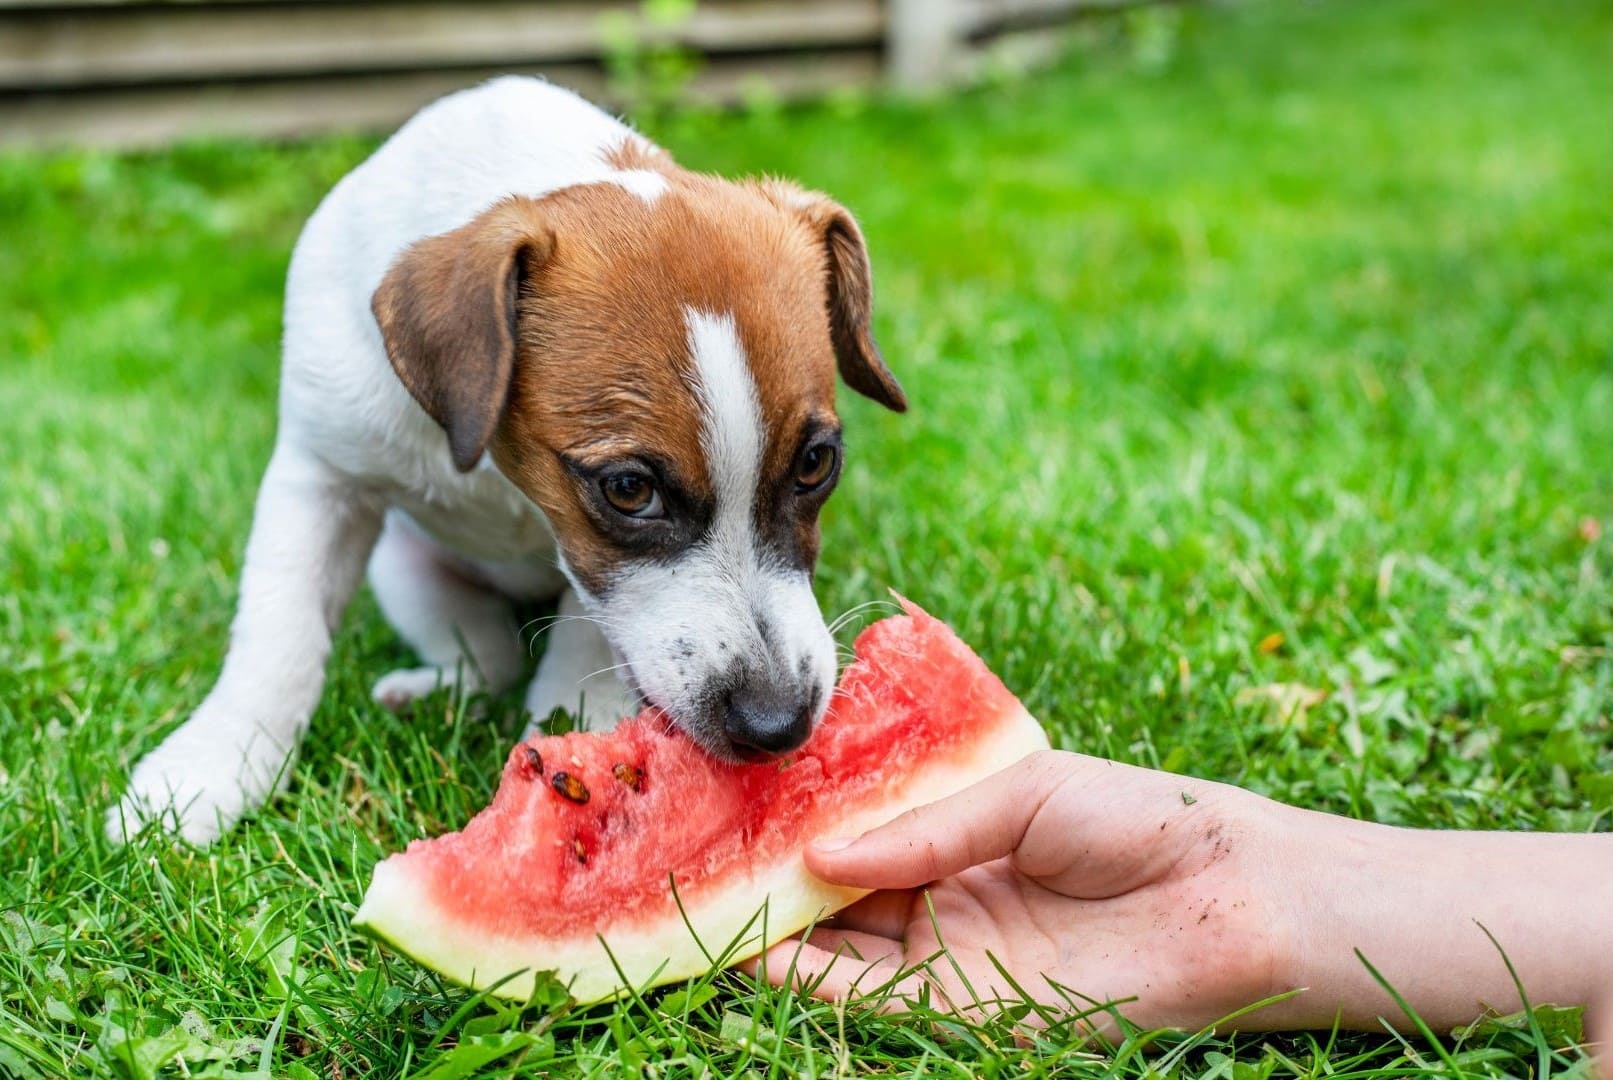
pixel 527 355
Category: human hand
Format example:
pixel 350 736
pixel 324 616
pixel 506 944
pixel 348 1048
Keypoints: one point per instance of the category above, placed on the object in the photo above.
pixel 1087 880
pixel 1187 901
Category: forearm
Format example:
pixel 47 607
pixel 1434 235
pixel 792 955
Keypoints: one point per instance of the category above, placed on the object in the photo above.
pixel 1417 903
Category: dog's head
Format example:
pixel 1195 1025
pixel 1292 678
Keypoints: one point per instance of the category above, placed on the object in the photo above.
pixel 652 361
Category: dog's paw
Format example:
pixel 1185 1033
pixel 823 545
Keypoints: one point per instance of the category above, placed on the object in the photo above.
pixel 597 707
pixel 397 690
pixel 200 782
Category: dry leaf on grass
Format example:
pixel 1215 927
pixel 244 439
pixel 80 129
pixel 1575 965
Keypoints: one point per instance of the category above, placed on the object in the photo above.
pixel 1289 701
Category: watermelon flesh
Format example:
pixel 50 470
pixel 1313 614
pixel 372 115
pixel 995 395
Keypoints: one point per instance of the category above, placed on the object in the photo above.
pixel 573 865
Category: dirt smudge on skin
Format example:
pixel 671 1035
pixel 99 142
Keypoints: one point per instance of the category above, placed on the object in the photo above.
pixel 1220 845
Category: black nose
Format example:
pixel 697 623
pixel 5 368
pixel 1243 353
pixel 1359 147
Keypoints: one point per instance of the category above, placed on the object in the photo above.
pixel 764 729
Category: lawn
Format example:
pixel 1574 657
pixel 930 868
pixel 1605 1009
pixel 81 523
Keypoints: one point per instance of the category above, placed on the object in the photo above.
pixel 1263 344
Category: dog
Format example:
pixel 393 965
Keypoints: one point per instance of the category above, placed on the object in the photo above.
pixel 528 356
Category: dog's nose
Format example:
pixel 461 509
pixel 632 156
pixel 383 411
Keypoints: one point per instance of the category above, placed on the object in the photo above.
pixel 765 729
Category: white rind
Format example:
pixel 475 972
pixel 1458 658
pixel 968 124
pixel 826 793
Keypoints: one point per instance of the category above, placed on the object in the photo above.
pixel 729 924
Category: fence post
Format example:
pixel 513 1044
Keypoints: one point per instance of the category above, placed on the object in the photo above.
pixel 923 39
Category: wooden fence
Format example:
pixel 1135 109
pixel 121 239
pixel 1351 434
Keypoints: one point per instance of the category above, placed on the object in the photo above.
pixel 127 73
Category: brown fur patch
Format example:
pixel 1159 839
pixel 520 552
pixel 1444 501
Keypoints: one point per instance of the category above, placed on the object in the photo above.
pixel 605 369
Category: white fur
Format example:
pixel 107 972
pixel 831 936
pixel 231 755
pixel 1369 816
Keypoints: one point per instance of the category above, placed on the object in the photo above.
pixel 579 672
pixel 464 629
pixel 731 428
pixel 352 443
pixel 733 436
pixel 647 184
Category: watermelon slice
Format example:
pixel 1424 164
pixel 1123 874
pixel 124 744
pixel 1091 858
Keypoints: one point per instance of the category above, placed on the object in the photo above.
pixel 572 867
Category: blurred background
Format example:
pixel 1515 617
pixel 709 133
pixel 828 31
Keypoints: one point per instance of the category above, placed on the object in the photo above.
pixel 131 73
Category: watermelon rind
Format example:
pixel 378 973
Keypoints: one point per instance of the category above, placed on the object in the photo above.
pixel 733 921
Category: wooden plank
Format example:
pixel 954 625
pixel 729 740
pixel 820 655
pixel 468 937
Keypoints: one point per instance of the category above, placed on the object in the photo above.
pixel 980 18
pixel 127 118
pixel 197 42
pixel 69 5
pixel 150 117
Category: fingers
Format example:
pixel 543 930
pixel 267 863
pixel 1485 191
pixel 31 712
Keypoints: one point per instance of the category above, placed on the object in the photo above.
pixel 843 965
pixel 979 824
pixel 1078 825
pixel 836 965
pixel 884 913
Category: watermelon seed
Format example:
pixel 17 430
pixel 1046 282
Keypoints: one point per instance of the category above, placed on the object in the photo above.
pixel 534 761
pixel 580 851
pixel 630 775
pixel 570 787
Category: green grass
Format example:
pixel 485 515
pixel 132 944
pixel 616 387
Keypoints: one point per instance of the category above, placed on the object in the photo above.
pixel 1261 320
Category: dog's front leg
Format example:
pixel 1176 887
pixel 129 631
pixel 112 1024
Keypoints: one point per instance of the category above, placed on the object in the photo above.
pixel 579 672
pixel 312 532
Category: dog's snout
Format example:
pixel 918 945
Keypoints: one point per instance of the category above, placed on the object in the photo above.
pixel 761 728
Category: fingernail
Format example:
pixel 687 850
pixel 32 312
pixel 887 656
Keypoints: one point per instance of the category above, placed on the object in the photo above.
pixel 839 843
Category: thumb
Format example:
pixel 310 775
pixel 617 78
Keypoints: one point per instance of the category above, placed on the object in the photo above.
pixel 977 825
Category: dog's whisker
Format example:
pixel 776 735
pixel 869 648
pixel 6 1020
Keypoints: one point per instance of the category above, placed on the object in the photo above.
pixel 603 671
pixel 846 616
pixel 852 612
pixel 556 620
pixel 552 621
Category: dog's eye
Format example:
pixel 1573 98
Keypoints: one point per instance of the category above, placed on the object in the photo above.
pixel 817 466
pixel 632 494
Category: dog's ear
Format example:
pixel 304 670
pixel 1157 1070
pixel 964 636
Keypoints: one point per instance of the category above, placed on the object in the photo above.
pixel 447 312
pixel 851 292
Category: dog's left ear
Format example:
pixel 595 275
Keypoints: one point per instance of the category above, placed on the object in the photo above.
pixel 851 292
pixel 447 312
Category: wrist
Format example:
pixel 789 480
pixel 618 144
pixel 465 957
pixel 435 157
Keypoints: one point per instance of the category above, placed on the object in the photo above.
pixel 1421 907
pixel 1304 871
pixel 1340 898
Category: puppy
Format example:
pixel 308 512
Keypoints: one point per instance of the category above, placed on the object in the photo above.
pixel 527 355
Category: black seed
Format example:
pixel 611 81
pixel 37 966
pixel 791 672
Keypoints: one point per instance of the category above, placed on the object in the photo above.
pixel 570 787
pixel 534 760
pixel 630 775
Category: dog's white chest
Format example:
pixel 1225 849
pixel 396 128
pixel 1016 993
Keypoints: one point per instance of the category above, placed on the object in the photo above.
pixel 483 518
